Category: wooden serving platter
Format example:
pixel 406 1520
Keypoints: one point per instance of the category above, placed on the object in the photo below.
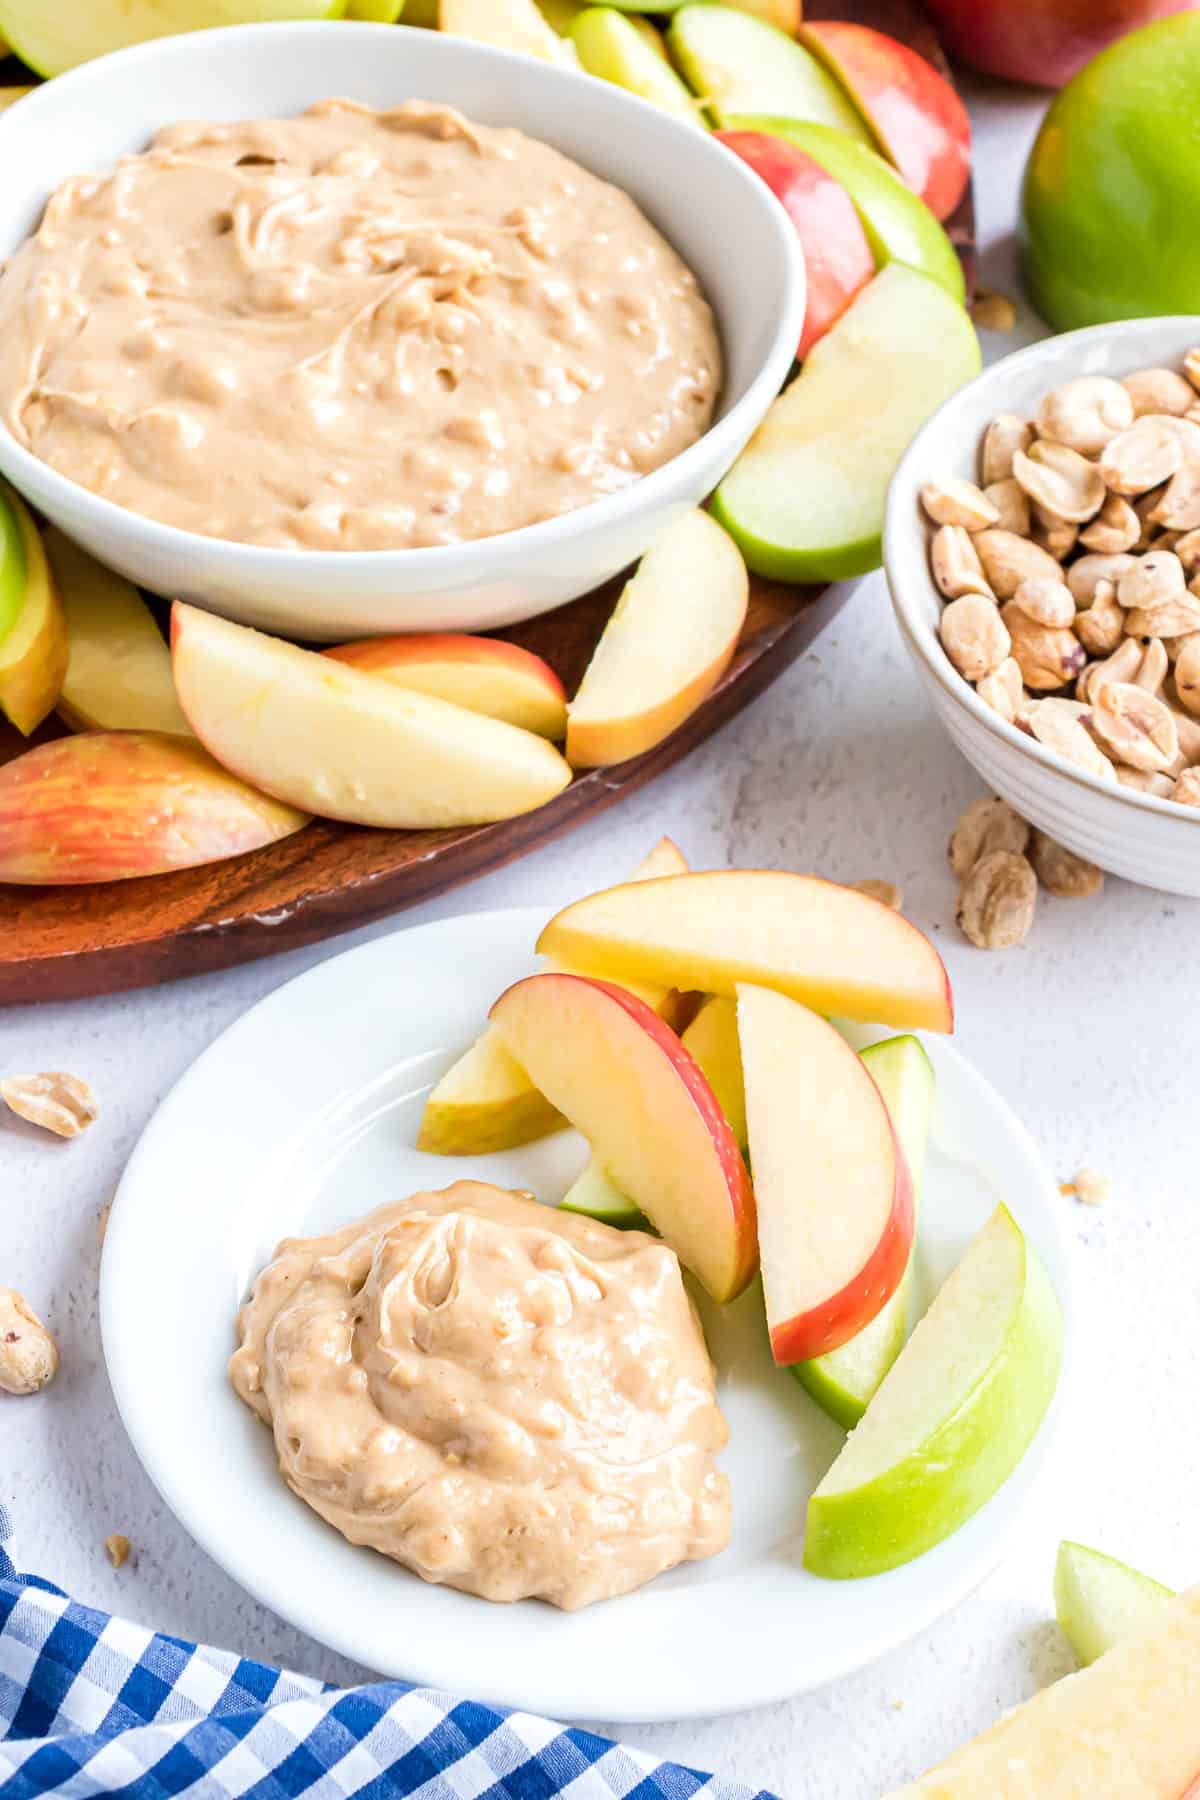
pixel 64 943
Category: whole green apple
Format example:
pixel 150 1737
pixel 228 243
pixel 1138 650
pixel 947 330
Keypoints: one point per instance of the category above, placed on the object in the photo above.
pixel 1112 190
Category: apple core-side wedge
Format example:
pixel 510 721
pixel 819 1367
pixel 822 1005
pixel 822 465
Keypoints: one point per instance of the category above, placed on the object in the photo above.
pixel 738 64
pixel 1100 1602
pixel 484 674
pixel 612 47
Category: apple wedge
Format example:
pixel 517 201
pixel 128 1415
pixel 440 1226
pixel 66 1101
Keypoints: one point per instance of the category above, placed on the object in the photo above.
pixel 805 500
pixel 33 650
pixel 595 1193
pixel 834 1196
pixel 118 675
pixel 1099 1602
pixel 845 1381
pixel 346 745
pixel 485 1101
pixel 712 1038
pixel 54 35
pixel 667 644
pixel 954 1415
pixel 738 63
pixel 108 805
pixel 833 948
pixel 610 46
pixel 625 1081
pixel 484 674
pixel 375 12
pixel 507 25
pixel 916 114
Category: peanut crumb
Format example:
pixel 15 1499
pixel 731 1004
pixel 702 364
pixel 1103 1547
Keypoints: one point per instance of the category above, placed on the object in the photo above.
pixel 1088 1186
pixel 995 312
pixel 886 892
pixel 117 1548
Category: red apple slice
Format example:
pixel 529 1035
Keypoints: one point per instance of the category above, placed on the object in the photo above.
pixel 916 114
pixel 625 1081
pixel 837 256
pixel 835 1201
pixel 347 745
pixel 830 946
pixel 485 675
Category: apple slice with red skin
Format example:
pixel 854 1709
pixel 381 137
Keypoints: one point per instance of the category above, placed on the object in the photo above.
pixel 834 1195
pixel 486 675
pixel 624 1080
pixel 919 119
pixel 837 255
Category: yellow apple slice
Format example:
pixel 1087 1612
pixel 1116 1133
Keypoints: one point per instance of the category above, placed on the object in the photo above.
pixel 610 46
pixel 626 1082
pixel 119 670
pixel 485 1101
pixel 712 1038
pixel 53 35
pixel 485 675
pixel 507 25
pixel 108 805
pixel 665 647
pixel 346 745
pixel 833 948
pixel 33 651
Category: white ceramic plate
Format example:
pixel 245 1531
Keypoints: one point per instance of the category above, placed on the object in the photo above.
pixel 303 1116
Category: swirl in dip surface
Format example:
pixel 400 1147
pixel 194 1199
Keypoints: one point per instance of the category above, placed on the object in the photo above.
pixel 352 330
pixel 511 1400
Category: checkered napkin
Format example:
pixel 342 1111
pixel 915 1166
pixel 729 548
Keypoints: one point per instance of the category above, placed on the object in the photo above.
pixel 91 1704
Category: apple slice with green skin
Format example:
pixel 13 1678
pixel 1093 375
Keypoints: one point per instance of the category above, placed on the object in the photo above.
pixel 508 25
pixel 119 669
pixel 1100 1602
pixel 918 117
pixel 834 1195
pixel 486 1102
pixel 610 46
pixel 805 500
pixel 108 805
pixel 622 1077
pixel 898 224
pixel 345 745
pixel 953 1417
pixel 33 651
pixel 595 1193
pixel 844 1382
pixel 670 639
pixel 53 35
pixel 737 63
pixel 14 572
pixel 835 949
pixel 712 1038
pixel 486 675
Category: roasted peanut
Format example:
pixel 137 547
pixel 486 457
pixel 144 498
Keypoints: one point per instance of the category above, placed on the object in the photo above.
pixel 1135 726
pixel 1004 691
pixel 1179 508
pixel 1083 576
pixel 1158 391
pixel 1122 665
pixel 955 562
pixel 988 824
pixel 56 1101
pixel 1145 781
pixel 1008 560
pixel 1061 872
pixel 998 901
pixel 974 636
pixel 28 1354
pixel 1187 674
pixel 1187 788
pixel 1101 628
pixel 992 311
pixel 1048 657
pixel 1012 505
pixel 1115 528
pixel 1084 414
pixel 1049 602
pixel 1061 481
pixel 1057 724
pixel 1005 435
pixel 952 501
pixel 1055 536
pixel 1142 457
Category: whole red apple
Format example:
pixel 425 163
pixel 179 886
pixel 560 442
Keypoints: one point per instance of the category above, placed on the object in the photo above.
pixel 1041 41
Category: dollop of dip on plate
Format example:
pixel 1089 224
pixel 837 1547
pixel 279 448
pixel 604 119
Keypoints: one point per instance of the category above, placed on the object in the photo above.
pixel 511 1400
pixel 352 330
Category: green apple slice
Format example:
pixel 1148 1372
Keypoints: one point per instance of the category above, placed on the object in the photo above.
pixel 13 569
pixel 597 1195
pixel 805 500
pixel 844 1382
pixel 953 1417
pixel 898 224
pixel 712 1038
pixel 611 46
pixel 53 35
pixel 378 12
pixel 739 64
pixel 1099 1601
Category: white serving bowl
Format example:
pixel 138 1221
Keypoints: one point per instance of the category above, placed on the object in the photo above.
pixel 718 214
pixel 1147 840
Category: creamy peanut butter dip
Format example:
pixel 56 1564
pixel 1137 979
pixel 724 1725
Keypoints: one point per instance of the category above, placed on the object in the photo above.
pixel 352 330
pixel 510 1400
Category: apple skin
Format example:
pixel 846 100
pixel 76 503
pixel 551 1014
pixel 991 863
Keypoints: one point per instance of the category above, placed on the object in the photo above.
pixel 110 805
pixel 1110 168
pixel 34 649
pixel 1044 42
pixel 483 674
pixel 915 113
pixel 1099 1601
pixel 837 256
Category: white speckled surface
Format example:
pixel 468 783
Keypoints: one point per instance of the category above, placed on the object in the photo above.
pixel 1089 1031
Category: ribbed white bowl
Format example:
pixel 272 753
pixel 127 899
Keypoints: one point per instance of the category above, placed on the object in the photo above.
pixel 1147 840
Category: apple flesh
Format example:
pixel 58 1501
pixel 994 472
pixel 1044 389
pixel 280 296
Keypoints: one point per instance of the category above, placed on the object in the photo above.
pixel 831 947
pixel 595 1193
pixel 955 1413
pixel 1044 42
pixel 712 1038
pixel 108 805
pixel 345 745
pixel 33 651
pixel 805 500
pixel 54 35
pixel 1099 1601
pixel 669 641
pixel 508 25
pixel 783 14
pixel 610 46
pixel 838 260
pixel 485 675
pixel 622 1078
pixel 916 114
pixel 845 1381
pixel 376 12
pixel 737 63
pixel 14 572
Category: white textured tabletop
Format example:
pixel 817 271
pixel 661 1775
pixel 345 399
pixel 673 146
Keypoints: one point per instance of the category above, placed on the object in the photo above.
pixel 1090 1031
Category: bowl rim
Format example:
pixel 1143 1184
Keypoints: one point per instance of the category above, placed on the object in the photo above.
pixel 930 655
pixel 473 556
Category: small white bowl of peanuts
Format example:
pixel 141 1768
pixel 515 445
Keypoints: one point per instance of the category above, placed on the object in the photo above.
pixel 1042 547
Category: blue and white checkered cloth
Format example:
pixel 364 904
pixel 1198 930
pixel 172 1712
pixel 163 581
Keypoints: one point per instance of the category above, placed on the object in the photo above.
pixel 91 1704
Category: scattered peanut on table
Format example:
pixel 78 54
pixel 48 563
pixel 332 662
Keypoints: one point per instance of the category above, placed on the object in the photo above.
pixel 28 1354
pixel 999 860
pixel 56 1101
